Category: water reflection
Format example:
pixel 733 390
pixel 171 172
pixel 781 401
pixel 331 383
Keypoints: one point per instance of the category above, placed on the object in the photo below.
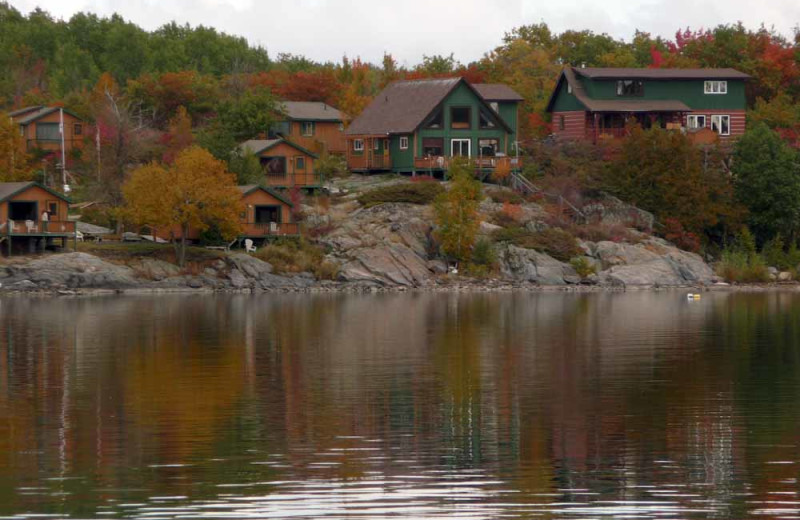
pixel 520 405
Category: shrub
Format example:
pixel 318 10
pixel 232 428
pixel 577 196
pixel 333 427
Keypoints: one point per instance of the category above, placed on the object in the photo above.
pixel 411 192
pixel 774 254
pixel 509 216
pixel 329 166
pixel 675 233
pixel 583 266
pixel 502 196
pixel 297 256
pixel 742 267
pixel 483 253
pixel 558 243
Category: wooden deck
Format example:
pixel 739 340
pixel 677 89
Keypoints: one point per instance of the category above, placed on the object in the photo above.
pixel 269 229
pixel 30 228
pixel 482 163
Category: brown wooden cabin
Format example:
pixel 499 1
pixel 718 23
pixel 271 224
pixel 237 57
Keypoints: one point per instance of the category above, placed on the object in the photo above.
pixel 285 163
pixel 23 227
pixel 266 213
pixel 39 125
pixel 315 126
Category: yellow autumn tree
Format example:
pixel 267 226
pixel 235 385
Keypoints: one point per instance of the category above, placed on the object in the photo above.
pixel 457 212
pixel 194 193
pixel 14 164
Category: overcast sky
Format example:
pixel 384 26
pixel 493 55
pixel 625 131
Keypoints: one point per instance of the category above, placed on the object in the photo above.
pixel 326 30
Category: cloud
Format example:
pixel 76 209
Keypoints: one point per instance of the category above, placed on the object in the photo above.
pixel 326 30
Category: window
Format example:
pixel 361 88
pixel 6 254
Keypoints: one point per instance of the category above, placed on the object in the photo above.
pixel 404 142
pixel 77 129
pixel 307 128
pixel 267 214
pixel 495 106
pixel 721 124
pixel 489 147
pixel 561 122
pixel 486 120
pixel 437 120
pixel 715 87
pixel 281 128
pixel 432 146
pixel 460 117
pixel 52 209
pixel 274 166
pixel 695 122
pixel 299 163
pixel 460 147
pixel 358 145
pixel 47 132
pixel 376 144
pixel 630 88
pixel 341 127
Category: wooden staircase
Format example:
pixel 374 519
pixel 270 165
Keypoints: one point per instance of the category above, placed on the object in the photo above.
pixel 526 187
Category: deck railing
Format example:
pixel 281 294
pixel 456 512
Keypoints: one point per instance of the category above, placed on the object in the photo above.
pixel 37 227
pixel 263 229
pixel 492 163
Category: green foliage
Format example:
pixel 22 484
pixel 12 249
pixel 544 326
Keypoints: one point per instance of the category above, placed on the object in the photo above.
pixel 664 173
pixel 246 166
pixel 558 243
pixel 483 253
pixel 738 266
pixel 583 266
pixel 500 196
pixel 411 192
pixel 298 256
pixel 767 179
pixel 248 115
pixel 329 166
pixel 457 212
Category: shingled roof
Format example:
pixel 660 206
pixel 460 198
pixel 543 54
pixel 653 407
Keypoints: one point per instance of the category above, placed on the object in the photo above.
pixel 496 92
pixel 257 146
pixel 663 74
pixel 311 111
pixel 9 189
pixel 27 115
pixel 403 105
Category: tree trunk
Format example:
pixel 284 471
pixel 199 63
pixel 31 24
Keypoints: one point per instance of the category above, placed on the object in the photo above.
pixel 182 252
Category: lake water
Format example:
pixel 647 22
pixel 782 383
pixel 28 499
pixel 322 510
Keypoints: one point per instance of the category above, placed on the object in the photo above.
pixel 521 405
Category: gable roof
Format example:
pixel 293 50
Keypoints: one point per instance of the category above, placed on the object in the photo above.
pixel 311 111
pixel 9 189
pixel 250 188
pixel 403 106
pixel 662 74
pixel 496 92
pixel 28 115
pixel 256 146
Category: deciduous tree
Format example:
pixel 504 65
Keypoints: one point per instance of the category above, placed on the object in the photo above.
pixel 457 212
pixel 14 164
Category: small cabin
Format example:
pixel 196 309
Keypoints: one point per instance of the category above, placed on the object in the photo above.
pixel 33 217
pixel 285 163
pixel 315 126
pixel 41 128
pixel 266 213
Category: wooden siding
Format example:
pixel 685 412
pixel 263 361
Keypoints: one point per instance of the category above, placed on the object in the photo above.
pixel 328 137
pixel 738 120
pixel 305 178
pixel 71 140
pixel 575 124
pixel 690 92
pixel 56 225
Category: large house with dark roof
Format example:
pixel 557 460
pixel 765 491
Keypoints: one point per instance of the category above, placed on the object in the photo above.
pixel 40 126
pixel 419 125
pixel 590 103
pixel 315 126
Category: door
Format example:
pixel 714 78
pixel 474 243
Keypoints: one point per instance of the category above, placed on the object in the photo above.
pixel 460 147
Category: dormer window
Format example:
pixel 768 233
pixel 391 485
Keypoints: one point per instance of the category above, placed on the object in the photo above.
pixel 715 87
pixel 630 87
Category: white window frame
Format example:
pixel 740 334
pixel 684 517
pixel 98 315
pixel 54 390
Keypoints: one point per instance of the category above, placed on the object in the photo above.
pixel 469 147
pixel 404 142
pixel 718 119
pixel 376 145
pixel 715 87
pixel 696 118
pixel 358 145
pixel 310 125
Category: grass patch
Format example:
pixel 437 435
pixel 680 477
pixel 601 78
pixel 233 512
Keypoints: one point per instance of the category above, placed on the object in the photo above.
pixel 289 256
pixel 410 192
pixel 558 243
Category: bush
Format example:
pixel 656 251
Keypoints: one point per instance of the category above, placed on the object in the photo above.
pixel 742 267
pixel 483 253
pixel 297 256
pixel 329 166
pixel 583 266
pixel 411 192
pixel 502 196
pixel 509 216
pixel 558 243
pixel 675 233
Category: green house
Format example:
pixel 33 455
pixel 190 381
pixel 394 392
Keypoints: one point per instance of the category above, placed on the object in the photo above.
pixel 589 103
pixel 419 125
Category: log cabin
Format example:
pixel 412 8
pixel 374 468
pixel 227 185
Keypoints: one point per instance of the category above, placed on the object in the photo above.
pixel 315 126
pixel 33 218
pixel 285 163
pixel 420 125
pixel 588 104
